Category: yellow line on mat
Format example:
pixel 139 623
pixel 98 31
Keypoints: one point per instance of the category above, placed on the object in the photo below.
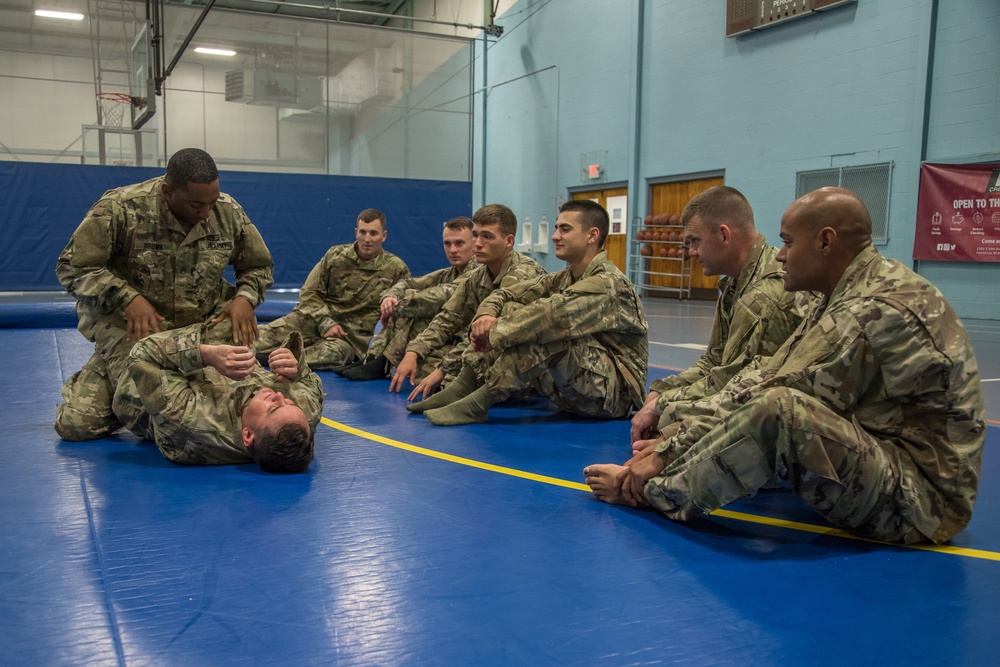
pixel 455 459
pixel 723 513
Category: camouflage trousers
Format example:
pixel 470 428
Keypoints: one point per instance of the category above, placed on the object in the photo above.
pixel 320 353
pixel 86 412
pixel 392 340
pixel 578 375
pixel 840 470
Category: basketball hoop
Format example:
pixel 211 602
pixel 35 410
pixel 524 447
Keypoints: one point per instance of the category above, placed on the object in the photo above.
pixel 113 107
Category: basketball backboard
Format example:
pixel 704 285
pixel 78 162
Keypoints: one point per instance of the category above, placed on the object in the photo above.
pixel 142 84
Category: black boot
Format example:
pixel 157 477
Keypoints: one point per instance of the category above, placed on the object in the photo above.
pixel 373 369
pixel 262 359
pixel 339 370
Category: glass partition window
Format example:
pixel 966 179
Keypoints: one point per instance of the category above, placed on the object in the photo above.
pixel 293 95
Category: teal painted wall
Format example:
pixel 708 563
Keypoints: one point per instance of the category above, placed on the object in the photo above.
pixel 845 87
pixel 556 86
pixel 965 127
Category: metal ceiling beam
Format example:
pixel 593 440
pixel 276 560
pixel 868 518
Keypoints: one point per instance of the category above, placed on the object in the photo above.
pixel 392 9
pixel 187 40
pixel 330 11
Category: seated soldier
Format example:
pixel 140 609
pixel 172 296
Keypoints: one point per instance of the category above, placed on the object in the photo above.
pixel 409 306
pixel 871 411
pixel 577 336
pixel 338 303
pixel 206 404
pixel 493 229
pixel 754 314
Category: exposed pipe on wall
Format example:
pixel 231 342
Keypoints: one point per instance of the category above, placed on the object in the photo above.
pixel 485 90
pixel 928 83
pixel 636 194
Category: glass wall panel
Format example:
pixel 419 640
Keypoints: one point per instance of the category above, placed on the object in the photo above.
pixel 298 95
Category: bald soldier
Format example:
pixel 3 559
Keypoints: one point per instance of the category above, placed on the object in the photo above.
pixel 578 336
pixel 150 257
pixel 872 411
pixel 754 314
pixel 339 301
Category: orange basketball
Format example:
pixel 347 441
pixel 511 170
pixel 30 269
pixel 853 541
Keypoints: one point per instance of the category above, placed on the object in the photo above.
pixel 646 250
pixel 675 220
pixel 664 251
pixel 649 219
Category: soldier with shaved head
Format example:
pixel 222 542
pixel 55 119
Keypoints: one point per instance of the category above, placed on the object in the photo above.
pixel 754 314
pixel 871 412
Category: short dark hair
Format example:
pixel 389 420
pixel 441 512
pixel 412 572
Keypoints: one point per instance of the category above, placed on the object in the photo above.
pixel 499 215
pixel 592 214
pixel 191 165
pixel 458 224
pixel 720 204
pixel 287 450
pixel 371 215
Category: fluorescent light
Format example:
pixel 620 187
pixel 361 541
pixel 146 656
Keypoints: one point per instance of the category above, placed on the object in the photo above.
pixel 214 52
pixel 49 14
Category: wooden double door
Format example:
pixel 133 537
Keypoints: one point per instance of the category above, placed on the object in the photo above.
pixel 664 199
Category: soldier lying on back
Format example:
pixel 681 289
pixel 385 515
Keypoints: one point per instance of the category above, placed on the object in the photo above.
pixel 205 404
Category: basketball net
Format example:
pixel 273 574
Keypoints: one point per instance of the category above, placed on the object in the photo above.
pixel 113 106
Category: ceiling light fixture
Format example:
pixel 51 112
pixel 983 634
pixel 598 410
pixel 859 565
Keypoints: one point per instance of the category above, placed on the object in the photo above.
pixel 214 52
pixel 49 14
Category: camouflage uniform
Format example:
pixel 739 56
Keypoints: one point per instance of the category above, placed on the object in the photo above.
pixel 419 300
pixel 447 334
pixel 753 316
pixel 131 244
pixel 193 413
pixel 580 342
pixel 341 289
pixel 872 411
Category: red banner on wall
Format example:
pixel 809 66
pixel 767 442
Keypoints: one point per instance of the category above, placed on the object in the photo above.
pixel 958 213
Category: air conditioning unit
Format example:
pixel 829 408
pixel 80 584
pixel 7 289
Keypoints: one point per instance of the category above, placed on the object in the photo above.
pixel 273 88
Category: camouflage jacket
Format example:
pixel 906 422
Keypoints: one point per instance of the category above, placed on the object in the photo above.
pixel 602 303
pixel 345 289
pixel 456 315
pixel 130 243
pixel 753 316
pixel 194 412
pixel 422 297
pixel 887 351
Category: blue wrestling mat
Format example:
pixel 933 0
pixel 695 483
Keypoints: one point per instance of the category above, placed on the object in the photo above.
pixel 409 544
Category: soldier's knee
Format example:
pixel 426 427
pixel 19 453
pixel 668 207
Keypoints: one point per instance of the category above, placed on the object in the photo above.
pixel 76 426
pixel 86 412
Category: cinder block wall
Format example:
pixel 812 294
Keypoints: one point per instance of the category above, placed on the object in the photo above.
pixel 845 87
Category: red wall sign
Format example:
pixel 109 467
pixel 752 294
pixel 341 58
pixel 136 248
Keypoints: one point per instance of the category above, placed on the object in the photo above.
pixel 958 213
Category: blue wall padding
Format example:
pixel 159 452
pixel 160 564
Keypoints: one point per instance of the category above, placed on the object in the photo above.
pixel 299 216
